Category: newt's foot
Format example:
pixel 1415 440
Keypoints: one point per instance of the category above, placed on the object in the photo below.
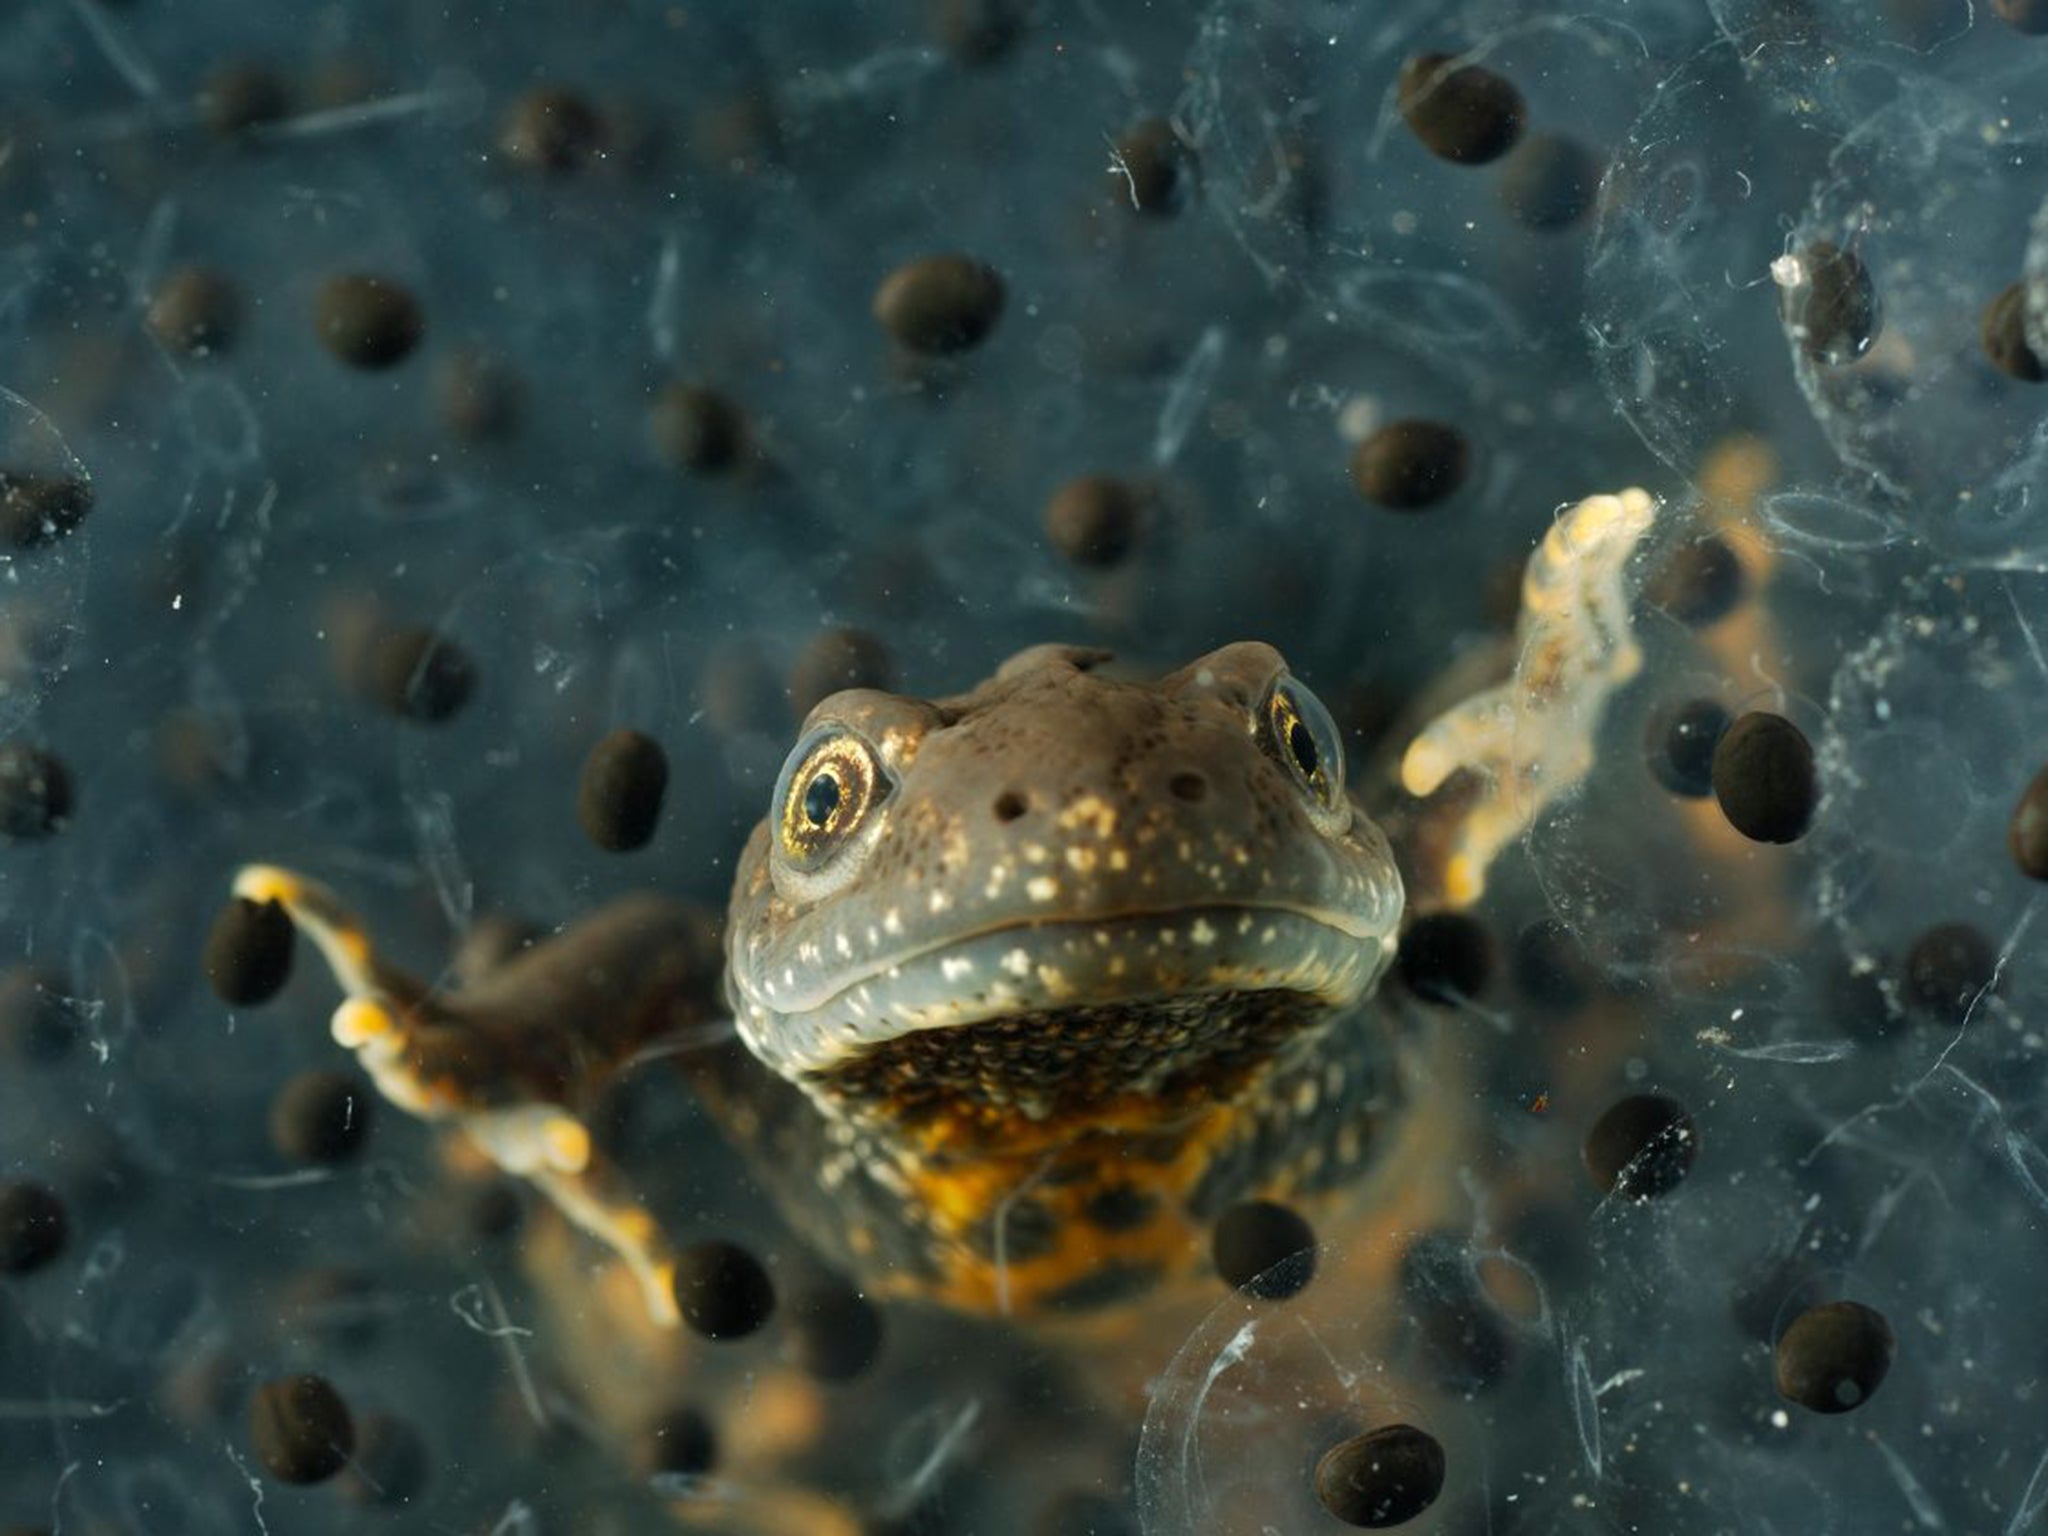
pixel 1530 740
pixel 512 1059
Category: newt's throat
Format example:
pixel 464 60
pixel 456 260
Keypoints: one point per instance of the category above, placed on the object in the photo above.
pixel 1059 1160
pixel 1021 1085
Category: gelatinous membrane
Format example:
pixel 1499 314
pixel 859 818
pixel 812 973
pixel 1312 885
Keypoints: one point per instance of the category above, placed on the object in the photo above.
pixel 1260 1390
pixel 1957 451
pixel 1679 307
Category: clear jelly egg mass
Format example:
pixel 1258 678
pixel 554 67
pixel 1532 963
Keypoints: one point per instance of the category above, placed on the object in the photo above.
pixel 1023 767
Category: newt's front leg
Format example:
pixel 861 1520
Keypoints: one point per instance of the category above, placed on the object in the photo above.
pixel 1517 748
pixel 516 1059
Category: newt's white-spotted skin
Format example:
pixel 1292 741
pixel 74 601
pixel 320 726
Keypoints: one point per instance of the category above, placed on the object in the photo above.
pixel 1092 950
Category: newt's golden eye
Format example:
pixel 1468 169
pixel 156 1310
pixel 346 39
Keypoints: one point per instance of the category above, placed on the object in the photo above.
pixel 1300 733
pixel 829 786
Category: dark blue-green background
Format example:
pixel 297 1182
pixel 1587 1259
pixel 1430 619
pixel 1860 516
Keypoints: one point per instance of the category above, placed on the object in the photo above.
pixel 1323 275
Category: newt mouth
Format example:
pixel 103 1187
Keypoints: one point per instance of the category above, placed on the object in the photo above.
pixel 1017 970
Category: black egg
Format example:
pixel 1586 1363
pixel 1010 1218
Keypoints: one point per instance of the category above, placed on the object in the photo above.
pixel 421 675
pixel 249 952
pixel 1445 957
pixel 367 321
pixel 1679 746
pixel 36 510
pixel 2004 334
pixel 301 1429
pixel 722 1290
pixel 1264 1249
pixel 1410 465
pixel 1833 1357
pixel 321 1116
pixel 1948 968
pixel 33 1227
pixel 940 304
pixel 1642 1147
pixel 1701 584
pixel 679 1442
pixel 1153 171
pixel 550 130
pixel 2027 832
pixel 1834 313
pixel 697 428
pixel 243 94
pixel 1093 520
pixel 195 311
pixel 619 795
pixel 1764 778
pixel 1382 1478
pixel 1461 113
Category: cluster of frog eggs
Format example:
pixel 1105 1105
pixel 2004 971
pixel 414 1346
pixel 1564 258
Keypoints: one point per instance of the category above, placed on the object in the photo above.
pixel 1830 1357
pixel 1759 768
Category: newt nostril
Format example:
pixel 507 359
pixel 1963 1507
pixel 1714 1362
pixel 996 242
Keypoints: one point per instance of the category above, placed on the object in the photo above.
pixel 1009 806
pixel 1188 786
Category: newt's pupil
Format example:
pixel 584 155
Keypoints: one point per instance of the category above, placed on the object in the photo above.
pixel 1303 746
pixel 821 799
